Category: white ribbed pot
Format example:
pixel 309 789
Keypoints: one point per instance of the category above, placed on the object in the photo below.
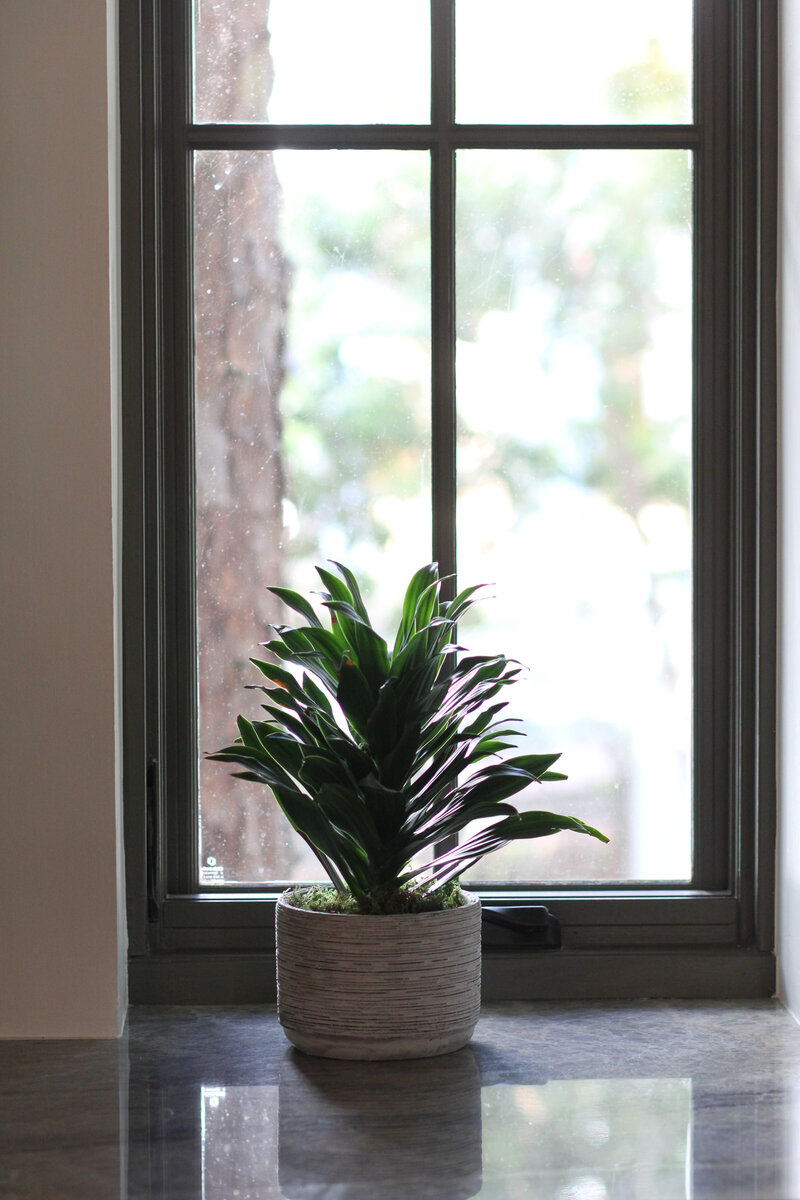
pixel 358 987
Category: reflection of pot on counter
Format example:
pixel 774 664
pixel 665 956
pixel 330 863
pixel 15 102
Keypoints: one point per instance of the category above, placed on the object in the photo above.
pixel 389 1129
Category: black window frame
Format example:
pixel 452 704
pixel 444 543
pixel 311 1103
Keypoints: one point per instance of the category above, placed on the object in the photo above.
pixel 712 939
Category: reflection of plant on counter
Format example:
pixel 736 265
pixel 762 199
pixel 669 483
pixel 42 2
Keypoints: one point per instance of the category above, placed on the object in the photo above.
pixel 396 752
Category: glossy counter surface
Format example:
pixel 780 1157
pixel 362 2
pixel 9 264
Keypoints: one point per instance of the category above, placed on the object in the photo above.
pixel 646 1101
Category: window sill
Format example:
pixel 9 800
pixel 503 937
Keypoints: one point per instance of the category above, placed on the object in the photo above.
pixel 220 949
pixel 710 972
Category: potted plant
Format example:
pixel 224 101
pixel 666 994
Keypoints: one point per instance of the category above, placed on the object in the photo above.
pixel 379 757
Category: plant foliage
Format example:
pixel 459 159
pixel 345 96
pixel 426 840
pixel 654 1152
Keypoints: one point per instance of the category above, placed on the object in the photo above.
pixel 378 754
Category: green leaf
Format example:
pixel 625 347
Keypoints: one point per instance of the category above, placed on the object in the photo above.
pixel 355 696
pixel 330 645
pixel 355 591
pixel 257 763
pixel 369 648
pixel 452 821
pixel 422 579
pixel 481 723
pixel 336 588
pixel 541 824
pixel 537 764
pixel 310 659
pixel 287 721
pixel 317 770
pixel 488 746
pixel 511 828
pixel 428 608
pixel 317 696
pixel 451 759
pixel 298 603
pixel 358 762
pixel 497 781
pixel 346 809
pixel 387 807
pixel 283 750
pixel 383 726
pixel 317 832
pixel 461 604
pixel 248 734
pixel 295 640
pixel 397 764
pixel 275 674
pixel 415 653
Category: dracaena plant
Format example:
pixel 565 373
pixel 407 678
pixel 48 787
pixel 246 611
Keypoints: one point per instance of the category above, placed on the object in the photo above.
pixel 378 755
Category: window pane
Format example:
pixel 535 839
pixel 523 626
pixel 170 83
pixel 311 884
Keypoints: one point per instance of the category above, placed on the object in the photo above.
pixel 312 426
pixel 306 61
pixel 574 62
pixel 574 275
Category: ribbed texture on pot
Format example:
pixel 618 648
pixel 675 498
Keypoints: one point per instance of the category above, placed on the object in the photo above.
pixel 379 987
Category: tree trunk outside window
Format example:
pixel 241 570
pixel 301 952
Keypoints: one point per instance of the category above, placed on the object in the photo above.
pixel 241 287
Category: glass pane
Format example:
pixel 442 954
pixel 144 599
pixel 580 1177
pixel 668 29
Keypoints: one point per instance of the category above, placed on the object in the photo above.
pixel 574 278
pixel 312 427
pixel 574 62
pixel 311 61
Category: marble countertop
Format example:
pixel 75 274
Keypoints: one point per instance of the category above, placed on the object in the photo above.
pixel 613 1101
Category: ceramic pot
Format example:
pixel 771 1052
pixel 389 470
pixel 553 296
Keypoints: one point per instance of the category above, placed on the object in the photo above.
pixel 359 987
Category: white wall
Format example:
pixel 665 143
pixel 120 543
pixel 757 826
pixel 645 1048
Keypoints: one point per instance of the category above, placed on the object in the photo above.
pixel 789 730
pixel 61 929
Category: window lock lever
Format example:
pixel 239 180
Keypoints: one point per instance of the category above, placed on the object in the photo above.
pixel 520 926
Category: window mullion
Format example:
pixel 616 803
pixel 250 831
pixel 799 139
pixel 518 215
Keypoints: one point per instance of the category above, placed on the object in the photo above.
pixel 714 477
pixel 443 329
pixel 178 689
pixel 443 302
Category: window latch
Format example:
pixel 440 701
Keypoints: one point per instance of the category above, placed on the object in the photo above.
pixel 520 926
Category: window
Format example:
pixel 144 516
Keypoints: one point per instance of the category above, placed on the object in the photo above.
pixel 504 275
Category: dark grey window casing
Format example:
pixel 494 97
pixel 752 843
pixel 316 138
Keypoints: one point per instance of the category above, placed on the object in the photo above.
pixel 713 939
